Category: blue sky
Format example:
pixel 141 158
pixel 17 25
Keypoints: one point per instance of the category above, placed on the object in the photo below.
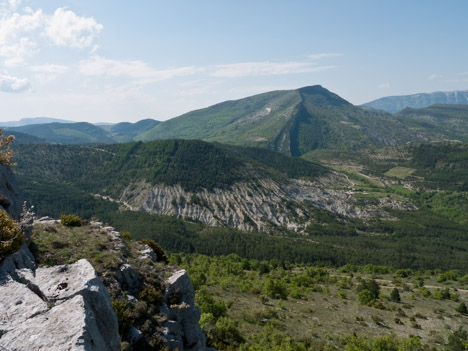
pixel 115 60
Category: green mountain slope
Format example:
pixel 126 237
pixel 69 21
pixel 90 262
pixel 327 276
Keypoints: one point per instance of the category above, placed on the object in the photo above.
pixel 67 133
pixel 449 121
pixel 442 166
pixel 23 138
pixel 393 104
pixel 192 164
pixel 33 120
pixel 126 131
pixel 182 178
pixel 293 122
pixel 218 189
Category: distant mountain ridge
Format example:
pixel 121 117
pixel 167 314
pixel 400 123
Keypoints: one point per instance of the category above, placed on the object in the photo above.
pixel 33 120
pixel 66 133
pixel 294 122
pixel 81 132
pixel 394 104
pixel 126 131
pixel 290 121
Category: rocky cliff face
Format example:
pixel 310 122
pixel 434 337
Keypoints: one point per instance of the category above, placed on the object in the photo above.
pixel 258 206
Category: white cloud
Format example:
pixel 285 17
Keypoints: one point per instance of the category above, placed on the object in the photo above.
pixel 144 74
pixel 94 49
pixel 434 76
pixel 14 25
pixel 55 69
pixel 65 28
pixel 15 30
pixel 14 4
pixel 323 55
pixel 140 73
pixel 100 66
pixel 15 54
pixel 265 68
pixel 19 32
pixel 12 84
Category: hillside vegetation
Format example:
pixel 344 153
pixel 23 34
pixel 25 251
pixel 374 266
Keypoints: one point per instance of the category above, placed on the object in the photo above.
pixel 272 305
pixel 449 121
pixel 81 133
pixel 125 132
pixel 293 122
pixel 429 235
pixel 66 133
pixel 190 163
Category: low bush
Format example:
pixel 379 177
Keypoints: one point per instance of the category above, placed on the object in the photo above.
pixel 126 235
pixel 158 250
pixel 70 220
pixel 11 237
pixel 151 295
pixel 124 316
pixel 395 295
pixel 461 308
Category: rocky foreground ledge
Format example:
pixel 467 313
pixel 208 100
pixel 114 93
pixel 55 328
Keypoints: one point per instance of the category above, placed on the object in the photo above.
pixel 67 307
pixel 64 307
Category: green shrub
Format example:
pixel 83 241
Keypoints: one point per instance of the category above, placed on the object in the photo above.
pixel 425 292
pixel 368 292
pixel 461 308
pixel 158 250
pixel 395 295
pixel 458 340
pixel 275 289
pixel 403 273
pixel 388 342
pixel 11 237
pixel 124 316
pixel 126 235
pixel 151 296
pixel 450 275
pixel 442 294
pixel 366 298
pixel 226 333
pixel 70 220
pixel 207 322
pixel 342 294
pixel 209 305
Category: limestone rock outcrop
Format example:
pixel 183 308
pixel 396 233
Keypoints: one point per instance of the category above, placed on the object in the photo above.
pixel 181 329
pixel 58 308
